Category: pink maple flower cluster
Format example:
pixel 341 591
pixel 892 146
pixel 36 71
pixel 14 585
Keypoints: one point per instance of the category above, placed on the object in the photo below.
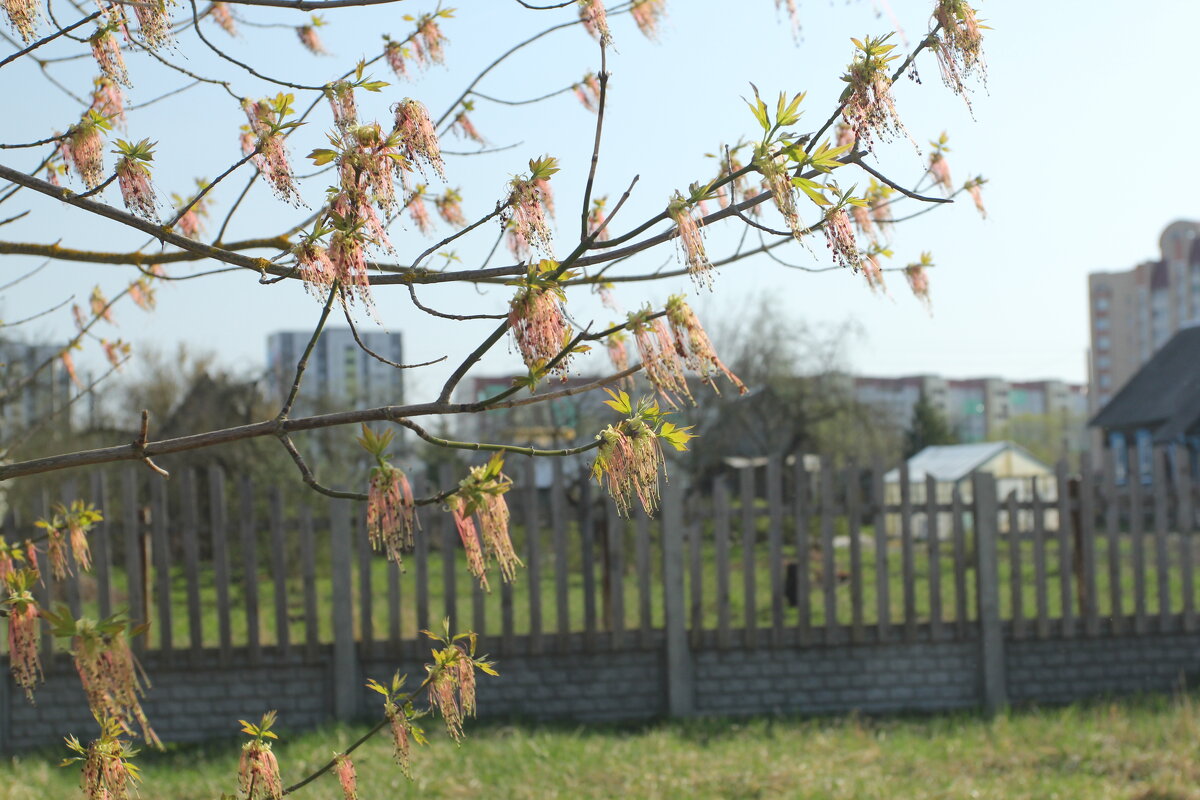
pixel 451 688
pixel 597 218
pixel 480 499
pixel 839 238
pixel 690 240
pixel 418 139
pixel 661 362
pixel 110 677
pixel 115 351
pixel 974 188
pixel 918 281
pixel 627 465
pixel 939 168
pixel 868 106
pixel 308 36
pixel 24 662
pixel 449 208
pixel 648 14
pixel 429 41
pixel 463 125
pixel 618 350
pixel 108 101
pixel 155 23
pixel 873 272
pixel 258 772
pixel 107 53
pixel 693 344
pixel 341 100
pixel 959 45
pixel 879 201
pixel 223 16
pixel 776 175
pixel 347 777
pixel 69 525
pixel 107 773
pixel 391 512
pixel 23 15
pixel 83 149
pixel 539 327
pixel 266 143
pixel 587 91
pixel 595 20
pixel 133 177
pixel 191 224
pixel 793 14
pixel 529 203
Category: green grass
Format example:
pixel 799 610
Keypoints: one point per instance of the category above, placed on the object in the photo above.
pixel 1138 749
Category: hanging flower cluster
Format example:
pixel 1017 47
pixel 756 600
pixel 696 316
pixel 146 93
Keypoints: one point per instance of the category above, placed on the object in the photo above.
pixel 449 207
pixel 690 239
pixel 108 100
pixel 595 20
pixel 347 778
pixel 661 362
pixel 83 148
pixel 528 203
pixel 391 512
pixel 223 16
pixel 630 454
pixel 793 14
pixel 107 53
pixel 974 189
pixel 618 351
pixel 452 678
pixel 463 125
pixel 133 176
pixel 111 678
pixel 879 202
pixel 418 140
pixel 427 44
pixel 191 224
pixel 775 173
pixel 839 238
pixel 23 15
pixel 70 524
pixel 587 91
pixel 872 271
pixel 536 318
pixel 267 127
pixel 258 771
pixel 155 23
pixel 400 714
pixel 596 218
pixel 310 38
pixel 107 769
pixel 648 14
pixel 939 167
pixel 918 280
pixel 692 342
pixel 480 497
pixel 429 41
pixel 959 45
pixel 868 107
pixel 22 610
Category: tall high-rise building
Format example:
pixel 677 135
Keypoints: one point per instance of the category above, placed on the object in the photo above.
pixel 1133 313
pixel 33 385
pixel 339 372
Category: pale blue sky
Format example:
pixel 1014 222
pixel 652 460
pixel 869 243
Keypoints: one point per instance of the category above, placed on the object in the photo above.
pixel 1084 131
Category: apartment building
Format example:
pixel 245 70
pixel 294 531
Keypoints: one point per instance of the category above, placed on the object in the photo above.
pixel 34 385
pixel 977 409
pixel 339 371
pixel 1134 312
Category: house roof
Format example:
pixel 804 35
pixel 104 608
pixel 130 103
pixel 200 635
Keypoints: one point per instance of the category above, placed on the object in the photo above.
pixel 1164 395
pixel 952 462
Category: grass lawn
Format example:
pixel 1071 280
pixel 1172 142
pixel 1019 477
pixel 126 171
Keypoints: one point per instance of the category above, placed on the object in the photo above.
pixel 1137 749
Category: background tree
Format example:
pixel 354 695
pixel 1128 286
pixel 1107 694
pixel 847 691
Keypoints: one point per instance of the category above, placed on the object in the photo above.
pixel 929 427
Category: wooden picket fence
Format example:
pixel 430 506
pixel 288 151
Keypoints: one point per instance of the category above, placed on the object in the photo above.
pixel 769 556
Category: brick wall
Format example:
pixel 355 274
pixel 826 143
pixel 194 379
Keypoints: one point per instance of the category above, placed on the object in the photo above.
pixel 200 699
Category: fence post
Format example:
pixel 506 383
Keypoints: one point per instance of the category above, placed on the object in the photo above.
pixel 987 583
pixel 681 695
pixel 346 681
